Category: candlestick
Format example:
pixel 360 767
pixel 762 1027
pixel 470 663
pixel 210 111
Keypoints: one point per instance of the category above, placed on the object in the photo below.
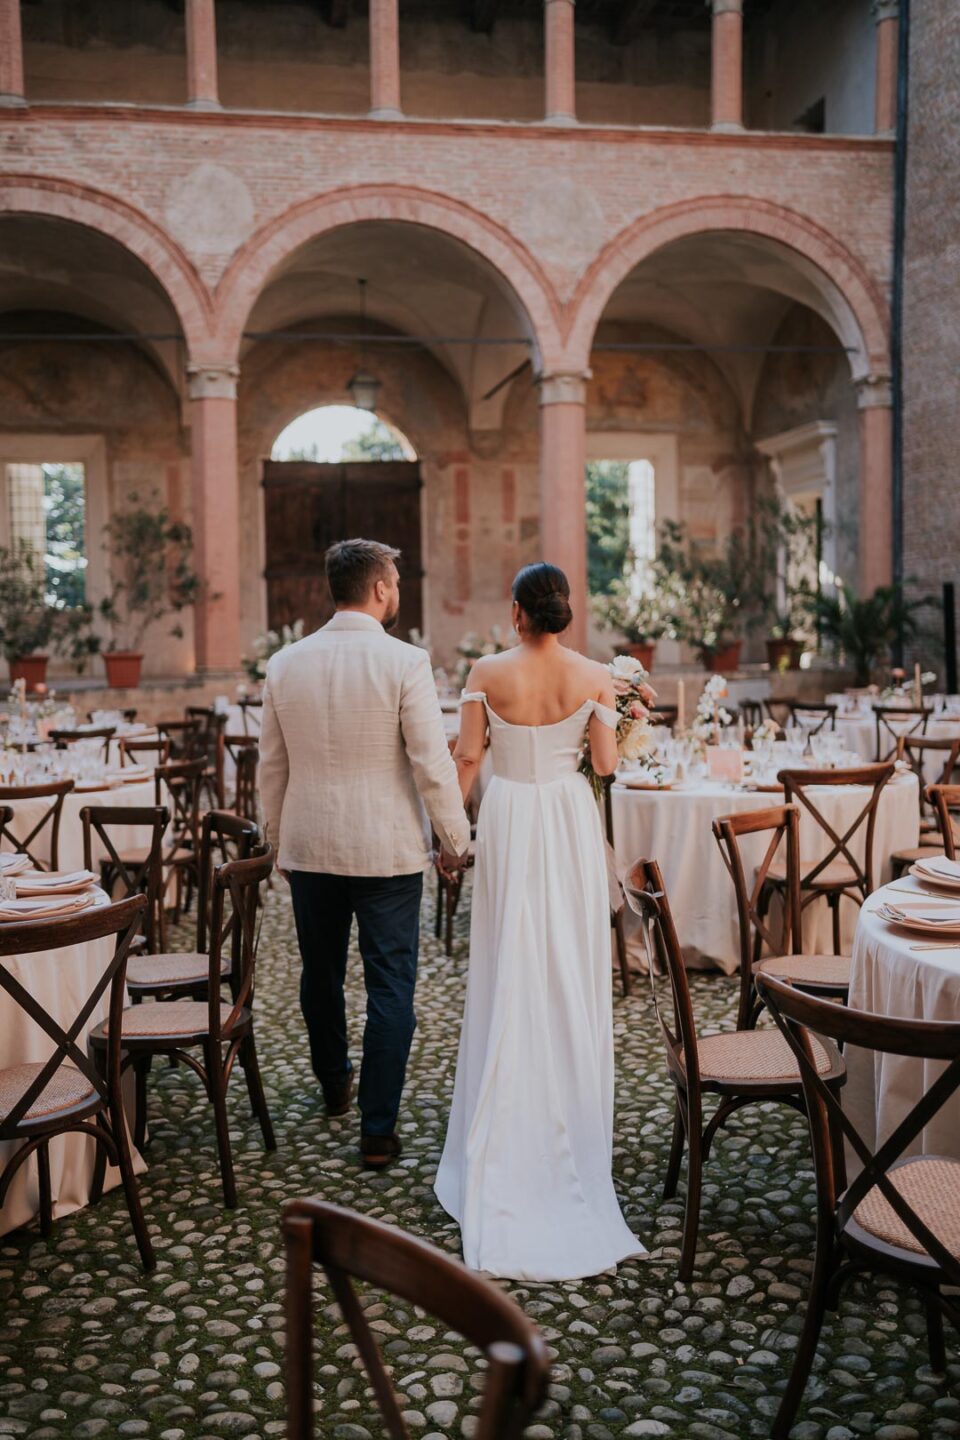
pixel 681 705
pixel 917 685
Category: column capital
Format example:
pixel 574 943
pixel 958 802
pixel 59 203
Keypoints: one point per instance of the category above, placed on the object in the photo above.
pixel 874 392
pixel 885 10
pixel 215 381
pixel 564 387
pixel 725 7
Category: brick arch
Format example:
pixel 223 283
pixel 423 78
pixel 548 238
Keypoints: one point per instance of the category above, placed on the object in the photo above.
pixel 853 302
pixel 250 269
pixel 116 220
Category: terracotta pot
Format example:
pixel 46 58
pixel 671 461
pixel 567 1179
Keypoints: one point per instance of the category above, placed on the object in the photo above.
pixel 719 662
pixel 784 654
pixel 32 668
pixel 123 668
pixel 644 652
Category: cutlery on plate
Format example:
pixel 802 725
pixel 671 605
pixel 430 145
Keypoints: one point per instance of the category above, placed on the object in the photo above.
pixel 954 946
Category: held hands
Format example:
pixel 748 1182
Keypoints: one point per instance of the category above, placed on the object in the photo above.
pixel 450 866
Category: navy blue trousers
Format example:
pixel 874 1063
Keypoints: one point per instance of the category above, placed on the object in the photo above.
pixel 388 922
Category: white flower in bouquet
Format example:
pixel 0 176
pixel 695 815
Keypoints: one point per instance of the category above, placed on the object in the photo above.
pixel 711 715
pixel 267 644
pixel 635 740
pixel 634 695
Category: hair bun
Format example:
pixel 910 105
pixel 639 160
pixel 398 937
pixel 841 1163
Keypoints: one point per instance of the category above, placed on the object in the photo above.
pixel 552 613
pixel 543 593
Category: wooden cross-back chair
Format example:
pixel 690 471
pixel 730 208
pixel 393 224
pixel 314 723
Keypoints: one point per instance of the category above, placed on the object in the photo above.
pixel 916 751
pixel 824 974
pixel 212 725
pixel 901 1214
pixel 251 713
pixel 351 1247
pixel 233 748
pixel 128 715
pixel 154 750
pixel 178 785
pixel 838 872
pixel 817 715
pixel 913 721
pixel 665 715
pixel 63 739
pixel 740 1067
pixel 26 843
pixel 778 709
pixel 41 1100
pixel 185 738
pixel 138 877
pixel 245 795
pixel 183 975
pixel 945 800
pixel 178 1027
pixel 752 712
pixel 616 916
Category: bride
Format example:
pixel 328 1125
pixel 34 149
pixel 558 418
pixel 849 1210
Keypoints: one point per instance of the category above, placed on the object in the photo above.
pixel 526 1168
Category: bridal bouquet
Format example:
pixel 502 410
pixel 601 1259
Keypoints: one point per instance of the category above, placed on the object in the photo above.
pixel 635 734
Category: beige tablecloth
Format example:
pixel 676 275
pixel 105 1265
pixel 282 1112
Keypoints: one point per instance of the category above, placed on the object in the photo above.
pixel 26 813
pixel 673 827
pixel 860 735
pixel 888 978
pixel 61 980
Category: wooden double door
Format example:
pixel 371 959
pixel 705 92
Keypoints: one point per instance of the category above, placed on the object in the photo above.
pixel 308 506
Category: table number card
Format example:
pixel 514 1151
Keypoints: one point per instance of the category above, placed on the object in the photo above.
pixel 725 765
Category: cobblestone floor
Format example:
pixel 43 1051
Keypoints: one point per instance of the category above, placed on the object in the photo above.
pixel 90 1347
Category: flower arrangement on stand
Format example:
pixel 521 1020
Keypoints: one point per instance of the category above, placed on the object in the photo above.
pixel 267 644
pixel 472 646
pixel 635 734
pixel 711 716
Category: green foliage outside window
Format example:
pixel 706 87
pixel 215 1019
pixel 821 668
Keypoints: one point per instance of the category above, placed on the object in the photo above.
pixel 608 524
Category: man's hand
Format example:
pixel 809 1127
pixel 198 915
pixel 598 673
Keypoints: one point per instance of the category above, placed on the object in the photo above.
pixel 450 865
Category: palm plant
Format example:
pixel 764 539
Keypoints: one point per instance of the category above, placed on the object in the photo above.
pixel 863 632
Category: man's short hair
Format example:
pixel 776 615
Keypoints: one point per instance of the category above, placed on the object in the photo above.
pixel 354 567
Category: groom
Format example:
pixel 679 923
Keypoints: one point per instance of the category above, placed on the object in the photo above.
pixel 353 752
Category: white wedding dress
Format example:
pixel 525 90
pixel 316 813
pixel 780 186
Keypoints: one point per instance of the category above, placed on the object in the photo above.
pixel 526 1168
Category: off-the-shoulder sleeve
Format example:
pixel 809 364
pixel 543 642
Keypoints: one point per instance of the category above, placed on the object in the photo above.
pixel 605 715
pixel 466 695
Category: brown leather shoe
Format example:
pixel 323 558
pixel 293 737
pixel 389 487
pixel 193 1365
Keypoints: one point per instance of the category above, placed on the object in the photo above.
pixel 337 1100
pixel 376 1151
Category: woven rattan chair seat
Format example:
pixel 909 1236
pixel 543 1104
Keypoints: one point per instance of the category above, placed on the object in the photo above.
pixel 167 1019
pixel 830 970
pixel 170 969
pixel 837 873
pixel 755 1055
pixel 66 1088
pixel 931 1187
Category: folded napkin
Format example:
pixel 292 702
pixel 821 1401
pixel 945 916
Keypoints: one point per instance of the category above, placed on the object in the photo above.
pixel 930 912
pixel 53 882
pixel 13 864
pixel 44 909
pixel 940 865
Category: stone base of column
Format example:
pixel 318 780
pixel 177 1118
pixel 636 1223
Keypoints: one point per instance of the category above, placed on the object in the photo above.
pixel 204 105
pixel 560 119
pixel 385 113
pixel 727 127
pixel 13 100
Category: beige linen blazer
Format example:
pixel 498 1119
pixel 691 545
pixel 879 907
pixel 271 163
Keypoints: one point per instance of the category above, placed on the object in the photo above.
pixel 353 754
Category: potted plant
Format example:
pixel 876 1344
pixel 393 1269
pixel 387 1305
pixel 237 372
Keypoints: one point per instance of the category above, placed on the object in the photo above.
pixel 151 565
pixel 862 632
pixel 26 621
pixel 710 591
pixel 782 545
pixel 639 618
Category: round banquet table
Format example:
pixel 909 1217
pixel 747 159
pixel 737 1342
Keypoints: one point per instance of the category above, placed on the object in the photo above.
pixel 887 977
pixel 61 980
pixel 26 813
pixel 859 732
pixel 673 827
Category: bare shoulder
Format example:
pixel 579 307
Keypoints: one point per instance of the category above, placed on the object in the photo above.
pixel 596 676
pixel 484 668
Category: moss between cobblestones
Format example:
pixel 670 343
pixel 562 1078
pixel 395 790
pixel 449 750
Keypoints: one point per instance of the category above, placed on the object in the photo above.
pixel 89 1346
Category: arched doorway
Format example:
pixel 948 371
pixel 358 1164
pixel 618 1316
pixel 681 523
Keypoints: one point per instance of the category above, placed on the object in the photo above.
pixel 334 472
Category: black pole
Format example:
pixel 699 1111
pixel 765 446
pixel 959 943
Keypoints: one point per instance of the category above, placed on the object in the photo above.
pixel 896 303
pixel 949 639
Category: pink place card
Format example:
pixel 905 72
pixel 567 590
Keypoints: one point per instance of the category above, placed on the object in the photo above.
pixel 725 765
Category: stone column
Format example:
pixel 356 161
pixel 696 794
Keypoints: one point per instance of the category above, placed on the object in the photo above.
pixel 11 54
pixel 385 60
pixel 563 529
pixel 727 65
pixel 202 84
pixel 559 62
pixel 216 513
pixel 876 482
pixel 887 15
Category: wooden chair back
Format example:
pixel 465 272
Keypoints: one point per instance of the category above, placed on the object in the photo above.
pixel 913 721
pixel 63 739
pixel 251 712
pixel 55 791
pixel 797 785
pixel 138 877
pixel 245 796
pixel 211 726
pixel 752 712
pixel 234 905
pixel 223 837
pixel 18 938
pixel 665 715
pixel 778 709
pixel 797 1015
pixel 915 750
pixel 128 715
pixel 945 800
pixel 232 747
pixel 813 715
pixel 782 824
pixel 647 897
pixel 154 750
pixel 351 1248
pixel 177 784
pixel 185 738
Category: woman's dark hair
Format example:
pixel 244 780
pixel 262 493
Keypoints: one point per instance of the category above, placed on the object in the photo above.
pixel 543 594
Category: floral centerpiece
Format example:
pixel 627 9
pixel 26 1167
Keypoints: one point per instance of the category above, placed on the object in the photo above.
pixel 472 646
pixel 711 716
pixel 635 734
pixel 766 730
pixel 267 644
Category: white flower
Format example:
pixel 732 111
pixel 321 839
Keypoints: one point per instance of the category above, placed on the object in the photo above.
pixel 625 667
pixel 636 740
